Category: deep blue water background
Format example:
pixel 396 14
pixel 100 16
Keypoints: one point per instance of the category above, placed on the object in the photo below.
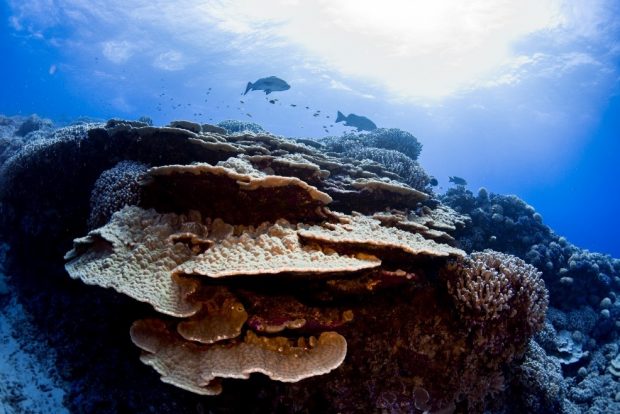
pixel 583 205
pixel 595 179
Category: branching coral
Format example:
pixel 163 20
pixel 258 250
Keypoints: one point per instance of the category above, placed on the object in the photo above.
pixel 493 285
pixel 396 162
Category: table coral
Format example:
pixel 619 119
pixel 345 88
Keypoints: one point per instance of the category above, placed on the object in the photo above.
pixel 238 238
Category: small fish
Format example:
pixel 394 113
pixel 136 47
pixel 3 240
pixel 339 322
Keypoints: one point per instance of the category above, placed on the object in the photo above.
pixel 250 115
pixel 360 122
pixel 270 84
pixel 433 181
pixel 457 180
pixel 242 102
pixel 293 105
pixel 273 101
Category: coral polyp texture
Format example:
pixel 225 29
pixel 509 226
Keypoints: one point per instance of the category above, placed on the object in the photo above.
pixel 198 368
pixel 492 285
pixel 249 264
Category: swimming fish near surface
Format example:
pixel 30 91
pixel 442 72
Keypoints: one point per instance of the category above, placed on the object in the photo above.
pixel 457 180
pixel 360 122
pixel 269 84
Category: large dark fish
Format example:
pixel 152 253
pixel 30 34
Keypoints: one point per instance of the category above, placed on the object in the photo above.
pixel 457 180
pixel 270 84
pixel 360 122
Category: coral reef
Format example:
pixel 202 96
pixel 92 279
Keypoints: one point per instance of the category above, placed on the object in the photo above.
pixel 31 124
pixel 247 254
pixel 507 224
pixel 540 384
pixel 396 162
pixel 579 340
pixel 16 131
pixel 492 286
pixel 391 152
pixel 233 126
pixel 388 139
pixel 114 189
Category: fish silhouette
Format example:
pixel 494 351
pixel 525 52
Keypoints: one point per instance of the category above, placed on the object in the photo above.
pixel 269 84
pixel 360 122
pixel 457 180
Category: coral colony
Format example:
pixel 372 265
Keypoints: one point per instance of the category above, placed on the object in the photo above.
pixel 327 266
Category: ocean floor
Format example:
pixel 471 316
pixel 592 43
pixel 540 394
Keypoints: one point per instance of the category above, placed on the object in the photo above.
pixel 29 382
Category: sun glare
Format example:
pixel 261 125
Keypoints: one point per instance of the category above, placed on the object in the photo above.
pixel 414 48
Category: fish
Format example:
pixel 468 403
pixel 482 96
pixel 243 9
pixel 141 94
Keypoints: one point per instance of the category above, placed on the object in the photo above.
pixel 457 180
pixel 360 122
pixel 269 84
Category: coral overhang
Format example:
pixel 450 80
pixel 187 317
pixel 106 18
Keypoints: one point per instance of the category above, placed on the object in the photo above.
pixel 251 272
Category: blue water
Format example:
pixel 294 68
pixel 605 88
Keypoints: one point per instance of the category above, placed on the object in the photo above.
pixel 515 97
pixel 552 140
